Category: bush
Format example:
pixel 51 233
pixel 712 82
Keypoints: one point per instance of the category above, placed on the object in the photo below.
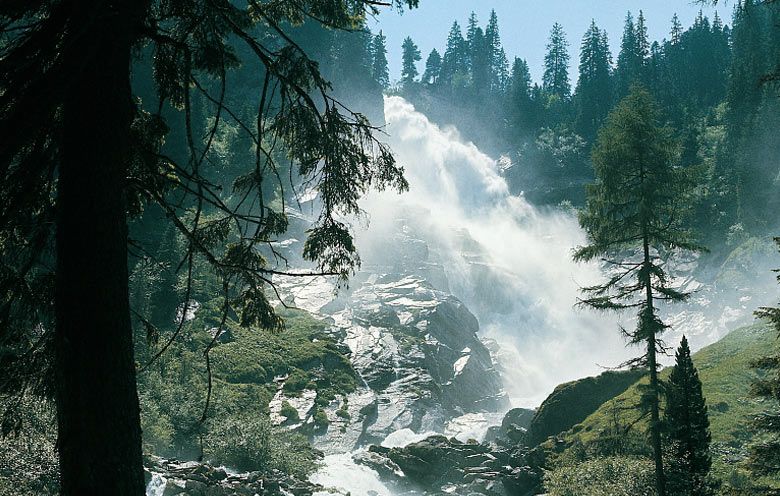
pixel 289 412
pixel 610 476
pixel 248 443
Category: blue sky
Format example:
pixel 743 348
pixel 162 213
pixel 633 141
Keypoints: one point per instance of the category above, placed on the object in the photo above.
pixel 525 24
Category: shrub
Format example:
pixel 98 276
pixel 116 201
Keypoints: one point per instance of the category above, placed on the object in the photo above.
pixel 248 443
pixel 289 412
pixel 609 476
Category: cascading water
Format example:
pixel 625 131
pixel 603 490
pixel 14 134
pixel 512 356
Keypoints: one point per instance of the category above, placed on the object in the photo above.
pixel 507 260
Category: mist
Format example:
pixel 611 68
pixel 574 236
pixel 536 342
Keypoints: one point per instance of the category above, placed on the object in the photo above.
pixel 509 261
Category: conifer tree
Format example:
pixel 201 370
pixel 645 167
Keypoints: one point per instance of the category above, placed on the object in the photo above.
pixel 432 68
pixel 521 113
pixel 642 41
pixel 628 67
pixel 635 206
pixel 688 429
pixel 472 39
pixel 379 69
pixel 556 64
pixel 410 55
pixel 594 92
pixel 765 454
pixel 454 60
pixel 498 64
pixel 81 154
pixel 675 34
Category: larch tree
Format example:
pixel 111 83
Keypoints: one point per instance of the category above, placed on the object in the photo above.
pixel 80 155
pixel 687 427
pixel 633 215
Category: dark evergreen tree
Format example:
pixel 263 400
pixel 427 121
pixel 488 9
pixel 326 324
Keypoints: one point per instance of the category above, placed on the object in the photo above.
pixel 636 205
pixel 675 35
pixel 473 32
pixel 453 64
pixel 628 69
pixel 556 65
pixel 593 96
pixel 80 155
pixel 765 453
pixel 410 55
pixel 379 69
pixel 498 64
pixel 687 428
pixel 521 108
pixel 432 68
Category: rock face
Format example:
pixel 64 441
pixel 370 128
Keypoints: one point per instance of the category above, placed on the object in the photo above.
pixel 171 477
pixel 413 344
pixel 441 465
pixel 418 355
pixel 572 402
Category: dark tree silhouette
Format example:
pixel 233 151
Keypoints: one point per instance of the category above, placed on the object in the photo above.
pixel 79 155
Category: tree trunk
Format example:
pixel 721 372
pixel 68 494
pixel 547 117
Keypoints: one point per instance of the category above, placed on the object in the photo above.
pixel 97 403
pixel 652 363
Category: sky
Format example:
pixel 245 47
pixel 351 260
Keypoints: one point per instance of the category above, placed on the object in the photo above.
pixel 525 24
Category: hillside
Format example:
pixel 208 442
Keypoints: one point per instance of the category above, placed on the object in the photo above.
pixel 726 376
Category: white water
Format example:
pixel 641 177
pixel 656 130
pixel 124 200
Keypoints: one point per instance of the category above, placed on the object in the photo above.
pixel 340 475
pixel 527 302
pixel 156 486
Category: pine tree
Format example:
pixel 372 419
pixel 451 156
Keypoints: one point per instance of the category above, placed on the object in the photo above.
pixel 765 454
pixel 675 34
pixel 642 42
pixel 636 205
pixel 379 69
pixel 432 68
pixel 628 67
pixel 556 65
pixel 593 96
pixel 472 39
pixel 453 62
pixel 81 155
pixel 410 56
pixel 498 64
pixel 521 113
pixel 688 429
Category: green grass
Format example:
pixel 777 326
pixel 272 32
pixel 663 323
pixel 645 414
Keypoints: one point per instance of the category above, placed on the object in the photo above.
pixel 724 369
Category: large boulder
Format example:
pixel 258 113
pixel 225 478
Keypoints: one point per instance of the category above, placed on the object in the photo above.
pixel 572 402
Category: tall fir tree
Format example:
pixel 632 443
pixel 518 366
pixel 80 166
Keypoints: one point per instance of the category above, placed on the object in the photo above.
pixel 555 80
pixel 498 64
pixel 521 111
pixel 627 70
pixel 687 428
pixel 77 162
pixel 453 64
pixel 765 453
pixel 379 68
pixel 676 32
pixel 432 68
pixel 636 205
pixel 593 96
pixel 410 55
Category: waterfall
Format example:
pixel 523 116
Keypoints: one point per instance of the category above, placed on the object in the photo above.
pixel 509 261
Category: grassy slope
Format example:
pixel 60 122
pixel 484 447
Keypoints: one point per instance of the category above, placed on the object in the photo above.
pixel 726 377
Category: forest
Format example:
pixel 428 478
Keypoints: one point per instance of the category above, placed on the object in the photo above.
pixel 274 247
